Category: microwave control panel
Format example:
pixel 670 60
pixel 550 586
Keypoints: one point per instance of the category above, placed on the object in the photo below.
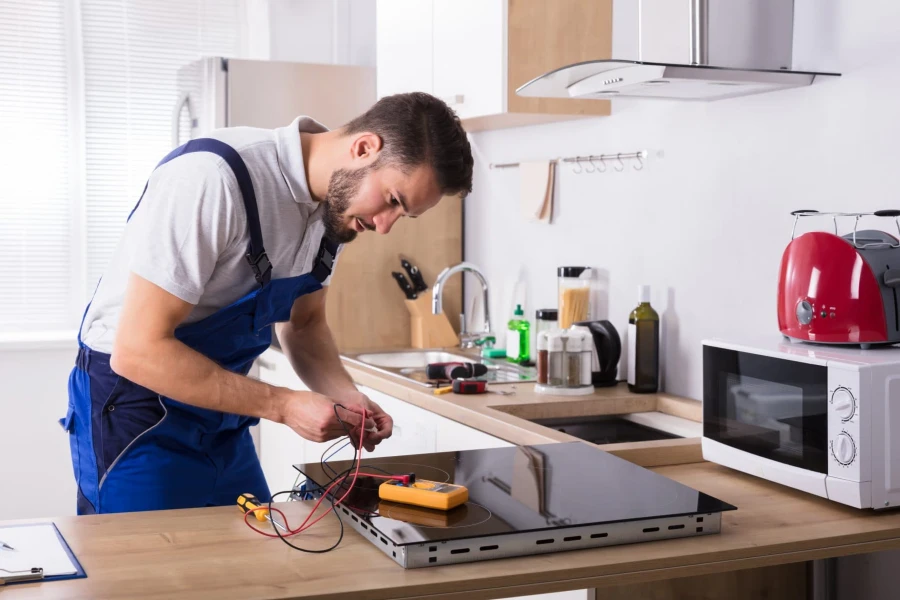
pixel 845 453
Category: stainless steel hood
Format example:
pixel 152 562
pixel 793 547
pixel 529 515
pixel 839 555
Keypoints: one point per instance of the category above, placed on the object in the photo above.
pixel 692 50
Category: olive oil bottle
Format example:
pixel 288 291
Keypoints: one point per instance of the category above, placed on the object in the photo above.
pixel 643 346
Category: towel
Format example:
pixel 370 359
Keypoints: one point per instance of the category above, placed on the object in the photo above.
pixel 536 193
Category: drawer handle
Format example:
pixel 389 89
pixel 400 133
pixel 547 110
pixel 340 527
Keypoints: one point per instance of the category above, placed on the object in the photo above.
pixel 454 99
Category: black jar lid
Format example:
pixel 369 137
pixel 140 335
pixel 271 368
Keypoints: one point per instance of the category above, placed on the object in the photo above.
pixel 570 271
pixel 547 314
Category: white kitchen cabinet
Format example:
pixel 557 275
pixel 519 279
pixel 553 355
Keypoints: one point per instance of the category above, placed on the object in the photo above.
pixel 468 55
pixel 403 45
pixel 473 54
pixel 453 436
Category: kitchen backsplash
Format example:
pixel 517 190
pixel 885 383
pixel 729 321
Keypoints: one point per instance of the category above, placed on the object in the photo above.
pixel 707 219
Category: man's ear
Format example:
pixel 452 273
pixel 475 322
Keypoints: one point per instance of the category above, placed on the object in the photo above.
pixel 366 145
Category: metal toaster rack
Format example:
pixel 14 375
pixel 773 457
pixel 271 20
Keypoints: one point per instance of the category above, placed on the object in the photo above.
pixel 797 214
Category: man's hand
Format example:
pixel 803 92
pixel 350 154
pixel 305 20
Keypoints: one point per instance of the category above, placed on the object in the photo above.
pixel 313 416
pixel 384 424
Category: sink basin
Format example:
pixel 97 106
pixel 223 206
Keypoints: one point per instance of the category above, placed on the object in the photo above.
pixel 605 429
pixel 410 365
pixel 411 359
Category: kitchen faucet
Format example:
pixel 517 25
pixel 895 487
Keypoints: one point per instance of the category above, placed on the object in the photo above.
pixel 466 339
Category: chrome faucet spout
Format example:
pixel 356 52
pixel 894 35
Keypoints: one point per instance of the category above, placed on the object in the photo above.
pixel 437 302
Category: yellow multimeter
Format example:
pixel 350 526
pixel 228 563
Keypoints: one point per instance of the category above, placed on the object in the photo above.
pixel 430 494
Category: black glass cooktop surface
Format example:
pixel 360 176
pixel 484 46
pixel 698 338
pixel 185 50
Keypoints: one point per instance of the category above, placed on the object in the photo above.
pixel 513 490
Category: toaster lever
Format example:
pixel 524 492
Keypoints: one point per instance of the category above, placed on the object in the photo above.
pixel 892 278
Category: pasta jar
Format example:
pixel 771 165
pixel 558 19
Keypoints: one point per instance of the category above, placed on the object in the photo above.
pixel 574 285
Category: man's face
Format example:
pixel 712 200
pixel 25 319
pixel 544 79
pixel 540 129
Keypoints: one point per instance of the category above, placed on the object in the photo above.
pixel 373 198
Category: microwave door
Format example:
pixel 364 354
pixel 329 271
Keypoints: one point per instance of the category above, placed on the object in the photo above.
pixel 770 407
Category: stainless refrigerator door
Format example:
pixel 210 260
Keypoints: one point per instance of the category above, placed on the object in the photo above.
pixel 201 104
pixel 271 94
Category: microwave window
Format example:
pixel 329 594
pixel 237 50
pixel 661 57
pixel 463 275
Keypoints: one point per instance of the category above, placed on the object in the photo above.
pixel 773 408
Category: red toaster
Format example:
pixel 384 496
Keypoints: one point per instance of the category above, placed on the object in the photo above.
pixel 835 289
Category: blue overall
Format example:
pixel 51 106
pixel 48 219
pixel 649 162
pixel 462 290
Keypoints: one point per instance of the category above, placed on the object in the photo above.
pixel 133 449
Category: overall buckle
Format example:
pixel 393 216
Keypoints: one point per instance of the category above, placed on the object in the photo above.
pixel 262 268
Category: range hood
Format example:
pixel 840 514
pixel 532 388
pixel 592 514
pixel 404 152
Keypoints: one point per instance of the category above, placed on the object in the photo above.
pixel 694 50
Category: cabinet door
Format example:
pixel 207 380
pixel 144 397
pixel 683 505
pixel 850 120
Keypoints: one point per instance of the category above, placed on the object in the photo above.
pixel 453 436
pixel 414 428
pixel 403 46
pixel 469 55
pixel 279 446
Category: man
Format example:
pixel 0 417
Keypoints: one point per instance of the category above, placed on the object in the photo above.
pixel 234 233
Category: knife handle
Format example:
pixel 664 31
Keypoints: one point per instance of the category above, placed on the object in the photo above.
pixel 415 275
pixel 404 285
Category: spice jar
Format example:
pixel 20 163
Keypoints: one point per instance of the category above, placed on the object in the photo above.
pixel 564 366
pixel 546 319
pixel 572 359
pixel 574 287
pixel 543 357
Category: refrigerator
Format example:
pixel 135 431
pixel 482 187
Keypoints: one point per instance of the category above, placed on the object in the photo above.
pixel 219 92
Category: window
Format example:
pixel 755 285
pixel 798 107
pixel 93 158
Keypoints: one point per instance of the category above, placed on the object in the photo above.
pixel 87 91
pixel 35 171
pixel 132 52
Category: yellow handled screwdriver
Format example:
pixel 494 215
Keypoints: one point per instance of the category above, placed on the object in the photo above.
pixel 248 502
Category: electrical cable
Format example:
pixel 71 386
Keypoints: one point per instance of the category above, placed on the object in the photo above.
pixel 339 479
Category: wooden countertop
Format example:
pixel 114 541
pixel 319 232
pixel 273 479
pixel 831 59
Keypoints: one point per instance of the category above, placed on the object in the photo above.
pixel 506 417
pixel 210 553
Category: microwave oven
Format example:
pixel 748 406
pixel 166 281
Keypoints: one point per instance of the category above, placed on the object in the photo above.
pixel 821 419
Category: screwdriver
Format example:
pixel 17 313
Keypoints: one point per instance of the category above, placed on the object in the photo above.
pixel 247 502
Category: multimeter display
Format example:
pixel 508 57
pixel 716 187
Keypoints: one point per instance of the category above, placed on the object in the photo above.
pixel 430 494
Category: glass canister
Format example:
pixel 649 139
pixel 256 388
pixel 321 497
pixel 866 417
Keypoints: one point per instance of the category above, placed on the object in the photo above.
pixel 574 286
pixel 545 319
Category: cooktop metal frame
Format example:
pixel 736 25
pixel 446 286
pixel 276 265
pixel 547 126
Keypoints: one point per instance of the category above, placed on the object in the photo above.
pixel 527 543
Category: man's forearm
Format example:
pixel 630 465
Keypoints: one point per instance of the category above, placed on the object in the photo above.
pixel 172 369
pixel 314 356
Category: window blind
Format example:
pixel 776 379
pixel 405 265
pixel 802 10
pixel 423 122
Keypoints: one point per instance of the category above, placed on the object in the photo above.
pixel 36 239
pixel 132 52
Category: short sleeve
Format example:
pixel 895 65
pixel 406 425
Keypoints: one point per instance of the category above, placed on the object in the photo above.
pixel 187 219
pixel 334 265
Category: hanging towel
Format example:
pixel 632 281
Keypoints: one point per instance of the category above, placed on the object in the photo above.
pixel 536 192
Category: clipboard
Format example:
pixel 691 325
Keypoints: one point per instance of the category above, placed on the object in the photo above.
pixel 36 574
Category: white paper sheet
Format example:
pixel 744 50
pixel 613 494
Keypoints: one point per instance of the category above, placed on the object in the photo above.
pixel 35 546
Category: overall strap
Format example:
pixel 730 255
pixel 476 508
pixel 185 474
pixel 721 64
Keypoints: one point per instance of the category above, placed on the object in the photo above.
pixel 324 262
pixel 256 254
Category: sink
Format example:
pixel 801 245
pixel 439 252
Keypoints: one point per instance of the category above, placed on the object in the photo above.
pixel 410 359
pixel 410 365
pixel 605 429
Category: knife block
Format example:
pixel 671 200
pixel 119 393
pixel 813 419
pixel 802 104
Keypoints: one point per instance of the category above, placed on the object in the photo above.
pixel 429 330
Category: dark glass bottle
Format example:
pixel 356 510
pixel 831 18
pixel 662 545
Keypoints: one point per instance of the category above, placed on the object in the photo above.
pixel 643 346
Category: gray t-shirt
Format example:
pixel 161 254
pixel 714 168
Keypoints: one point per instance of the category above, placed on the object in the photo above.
pixel 189 235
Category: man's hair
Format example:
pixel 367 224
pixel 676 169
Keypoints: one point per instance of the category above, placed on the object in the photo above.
pixel 416 129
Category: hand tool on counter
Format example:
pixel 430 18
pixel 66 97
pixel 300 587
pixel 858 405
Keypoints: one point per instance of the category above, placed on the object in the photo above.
pixel 408 291
pixel 247 502
pixel 415 275
pixel 469 386
pixel 448 371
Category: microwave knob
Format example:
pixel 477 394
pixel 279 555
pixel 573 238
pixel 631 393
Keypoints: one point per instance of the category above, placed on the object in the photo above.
pixel 844 403
pixel 843 448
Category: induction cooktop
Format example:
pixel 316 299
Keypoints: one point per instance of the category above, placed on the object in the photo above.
pixel 522 500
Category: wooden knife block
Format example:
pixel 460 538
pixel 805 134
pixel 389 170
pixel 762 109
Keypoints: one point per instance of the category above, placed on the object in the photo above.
pixel 429 330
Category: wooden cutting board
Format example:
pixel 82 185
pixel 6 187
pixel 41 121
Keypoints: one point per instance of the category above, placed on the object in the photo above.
pixel 365 307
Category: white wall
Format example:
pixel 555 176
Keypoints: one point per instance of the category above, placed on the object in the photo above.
pixel 707 219
pixel 36 476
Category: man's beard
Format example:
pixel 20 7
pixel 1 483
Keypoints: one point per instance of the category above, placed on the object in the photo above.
pixel 343 186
